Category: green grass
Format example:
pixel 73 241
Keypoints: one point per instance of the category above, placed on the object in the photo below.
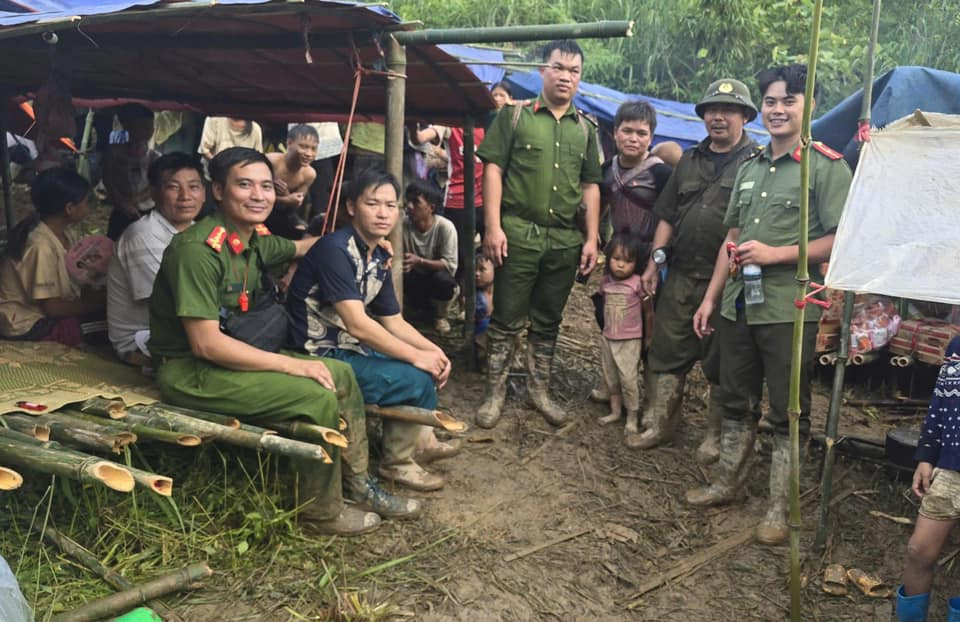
pixel 229 509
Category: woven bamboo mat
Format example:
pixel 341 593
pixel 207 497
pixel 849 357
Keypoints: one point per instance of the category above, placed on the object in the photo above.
pixel 54 375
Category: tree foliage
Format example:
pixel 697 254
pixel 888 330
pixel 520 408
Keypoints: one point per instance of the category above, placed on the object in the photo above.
pixel 680 46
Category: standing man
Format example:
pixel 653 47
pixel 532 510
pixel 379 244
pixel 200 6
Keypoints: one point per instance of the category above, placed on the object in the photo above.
pixel 429 254
pixel 541 162
pixel 176 180
pixel 689 236
pixel 343 306
pixel 755 331
pixel 210 278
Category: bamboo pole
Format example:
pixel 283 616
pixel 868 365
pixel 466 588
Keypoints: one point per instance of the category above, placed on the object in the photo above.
pixel 10 479
pixel 230 422
pixel 154 482
pixel 26 451
pixel 27 424
pixel 83 162
pixel 496 34
pixel 309 432
pixel 833 416
pixel 71 431
pixel 137 595
pixel 394 141
pixel 156 414
pixel 864 358
pixel 412 414
pixel 466 241
pixel 141 430
pixel 803 278
pixel 115 409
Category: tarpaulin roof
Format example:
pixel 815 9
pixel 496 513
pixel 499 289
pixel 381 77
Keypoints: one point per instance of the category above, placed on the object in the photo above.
pixel 676 121
pixel 471 55
pixel 899 234
pixel 292 59
pixel 896 93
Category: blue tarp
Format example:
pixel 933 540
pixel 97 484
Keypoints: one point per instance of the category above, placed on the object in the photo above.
pixel 488 74
pixel 676 121
pixel 896 94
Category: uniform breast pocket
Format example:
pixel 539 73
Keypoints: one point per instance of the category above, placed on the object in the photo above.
pixel 783 217
pixel 687 189
pixel 526 156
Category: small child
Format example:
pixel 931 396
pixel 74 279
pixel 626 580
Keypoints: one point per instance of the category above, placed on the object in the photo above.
pixel 484 307
pixel 939 487
pixel 622 342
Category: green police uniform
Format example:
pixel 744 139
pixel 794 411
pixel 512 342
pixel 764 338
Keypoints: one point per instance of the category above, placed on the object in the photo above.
pixel 693 202
pixel 205 269
pixel 756 339
pixel 544 161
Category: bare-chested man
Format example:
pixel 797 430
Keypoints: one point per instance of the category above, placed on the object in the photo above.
pixel 293 175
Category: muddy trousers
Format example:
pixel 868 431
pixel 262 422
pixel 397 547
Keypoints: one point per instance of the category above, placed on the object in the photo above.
pixel 385 381
pixel 262 396
pixel 751 354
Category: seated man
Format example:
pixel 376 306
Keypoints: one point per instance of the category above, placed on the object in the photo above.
pixel 343 306
pixel 211 271
pixel 176 180
pixel 293 176
pixel 429 254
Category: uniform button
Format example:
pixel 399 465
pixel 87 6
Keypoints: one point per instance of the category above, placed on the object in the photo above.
pixel 556 165
pixel 756 221
pixel 554 188
pixel 550 210
pixel 528 146
pixel 788 202
pixel 773 169
pixel 763 195
pixel 557 144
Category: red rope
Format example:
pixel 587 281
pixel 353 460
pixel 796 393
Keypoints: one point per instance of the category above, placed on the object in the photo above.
pixel 863 131
pixel 815 288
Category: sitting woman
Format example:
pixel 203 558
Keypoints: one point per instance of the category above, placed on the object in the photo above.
pixel 38 300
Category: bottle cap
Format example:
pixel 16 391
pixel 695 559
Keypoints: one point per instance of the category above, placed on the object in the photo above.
pixel 751 270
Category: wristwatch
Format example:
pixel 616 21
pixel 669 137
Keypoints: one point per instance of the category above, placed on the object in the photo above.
pixel 660 255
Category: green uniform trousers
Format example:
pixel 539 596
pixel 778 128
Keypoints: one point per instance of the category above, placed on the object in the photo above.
pixel 675 347
pixel 533 284
pixel 262 396
pixel 752 353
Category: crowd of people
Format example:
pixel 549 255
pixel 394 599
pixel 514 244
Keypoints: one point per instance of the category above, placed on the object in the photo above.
pixel 699 252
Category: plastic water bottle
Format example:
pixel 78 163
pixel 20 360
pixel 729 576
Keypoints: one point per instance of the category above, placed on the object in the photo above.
pixel 752 285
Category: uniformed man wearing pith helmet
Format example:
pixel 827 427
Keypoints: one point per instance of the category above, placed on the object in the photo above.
pixel 755 327
pixel 211 273
pixel 689 235
pixel 541 163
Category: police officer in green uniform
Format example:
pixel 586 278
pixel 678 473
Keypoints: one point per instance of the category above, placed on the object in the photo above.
pixel 755 330
pixel 213 269
pixel 541 162
pixel 691 208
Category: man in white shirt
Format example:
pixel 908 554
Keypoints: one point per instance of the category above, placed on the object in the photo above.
pixel 176 182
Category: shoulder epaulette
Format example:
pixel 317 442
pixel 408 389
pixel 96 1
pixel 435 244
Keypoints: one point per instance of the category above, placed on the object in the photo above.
pixel 262 230
pixel 825 150
pixel 589 117
pixel 755 153
pixel 216 238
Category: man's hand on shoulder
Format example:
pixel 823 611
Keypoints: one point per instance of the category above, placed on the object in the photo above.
pixel 310 368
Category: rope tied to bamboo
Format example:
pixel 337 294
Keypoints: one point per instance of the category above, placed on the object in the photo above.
pixel 815 288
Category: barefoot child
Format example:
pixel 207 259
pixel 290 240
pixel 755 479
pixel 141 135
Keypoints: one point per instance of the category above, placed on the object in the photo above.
pixel 939 487
pixel 622 341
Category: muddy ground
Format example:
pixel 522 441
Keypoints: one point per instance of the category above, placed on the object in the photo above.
pixel 622 520
pixel 612 520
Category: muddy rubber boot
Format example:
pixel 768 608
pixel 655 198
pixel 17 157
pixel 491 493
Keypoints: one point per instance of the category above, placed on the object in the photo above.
pixel 319 489
pixel 500 349
pixel 539 365
pixel 663 414
pixel 709 450
pixel 914 608
pixel 366 493
pixel 774 528
pixel 736 446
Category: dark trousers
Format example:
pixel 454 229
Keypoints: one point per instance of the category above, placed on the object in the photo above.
pixel 420 289
pixel 750 354
pixel 464 238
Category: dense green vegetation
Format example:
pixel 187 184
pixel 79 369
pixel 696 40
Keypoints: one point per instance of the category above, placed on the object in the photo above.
pixel 679 46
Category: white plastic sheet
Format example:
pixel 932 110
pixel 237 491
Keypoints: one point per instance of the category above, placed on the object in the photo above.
pixel 900 230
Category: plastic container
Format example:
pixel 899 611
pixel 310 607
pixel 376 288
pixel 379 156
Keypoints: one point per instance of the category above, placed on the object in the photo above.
pixel 752 284
pixel 140 614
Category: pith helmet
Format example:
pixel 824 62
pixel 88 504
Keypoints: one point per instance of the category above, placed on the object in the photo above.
pixel 727 91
